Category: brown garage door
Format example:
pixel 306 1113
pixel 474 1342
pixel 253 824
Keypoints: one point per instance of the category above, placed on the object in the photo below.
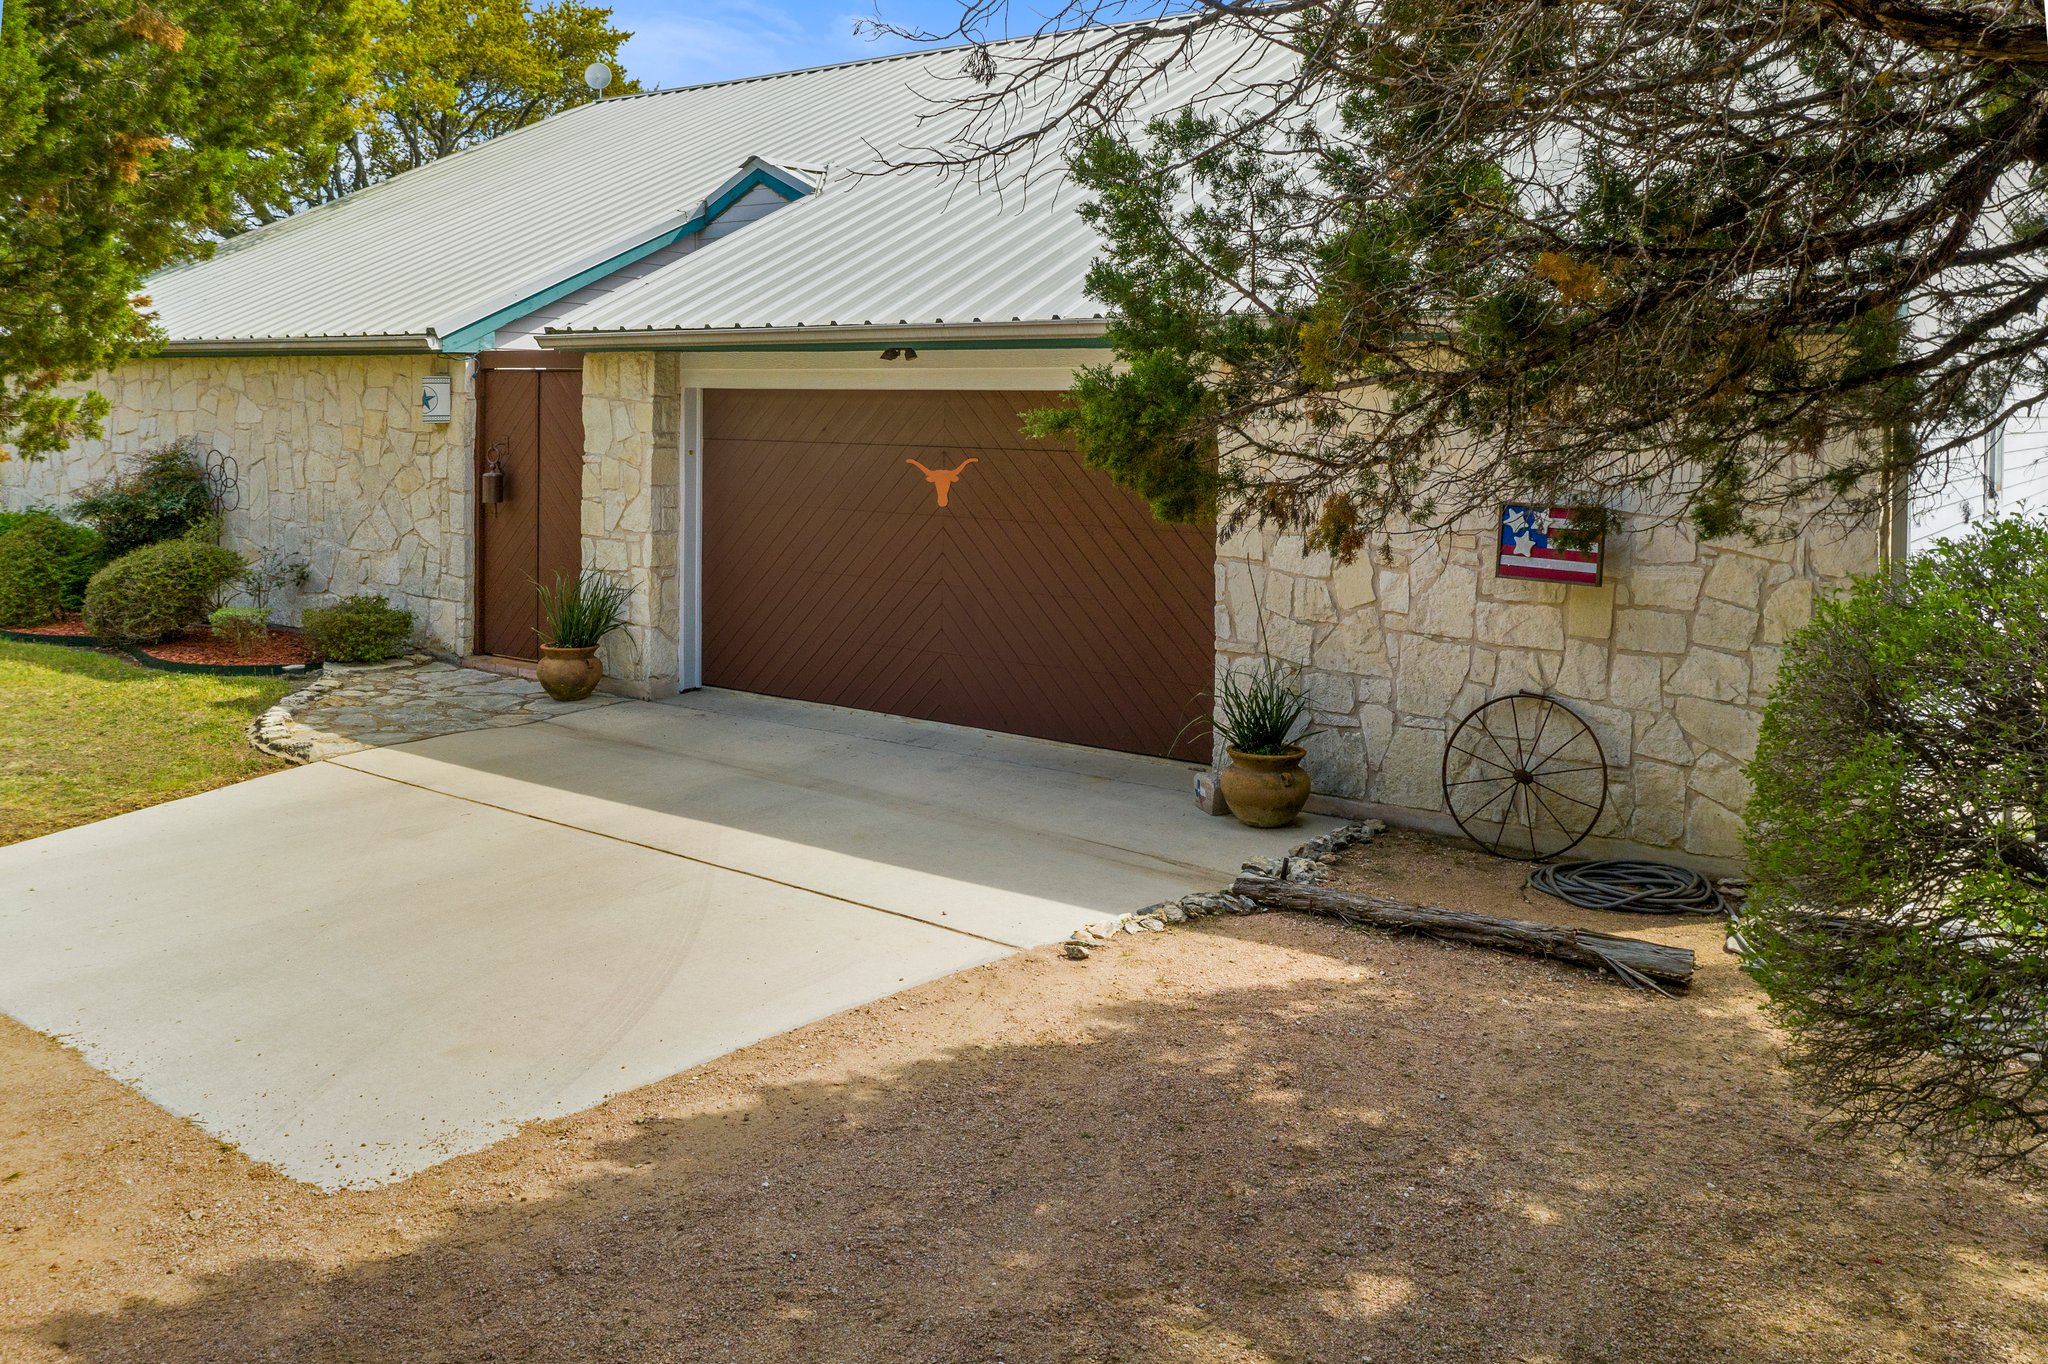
pixel 914 553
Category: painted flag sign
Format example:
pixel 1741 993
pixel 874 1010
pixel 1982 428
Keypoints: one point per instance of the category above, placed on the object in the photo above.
pixel 1530 548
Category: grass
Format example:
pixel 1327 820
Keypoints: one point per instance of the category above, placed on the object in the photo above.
pixel 85 735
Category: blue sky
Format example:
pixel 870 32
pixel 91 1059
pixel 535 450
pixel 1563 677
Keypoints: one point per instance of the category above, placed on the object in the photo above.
pixel 690 41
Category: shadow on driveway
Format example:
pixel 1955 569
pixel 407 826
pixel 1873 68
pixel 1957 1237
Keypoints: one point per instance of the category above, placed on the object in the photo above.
pixel 1263 1141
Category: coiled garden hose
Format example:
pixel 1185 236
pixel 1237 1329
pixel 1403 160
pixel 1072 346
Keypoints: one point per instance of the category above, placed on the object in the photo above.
pixel 1631 887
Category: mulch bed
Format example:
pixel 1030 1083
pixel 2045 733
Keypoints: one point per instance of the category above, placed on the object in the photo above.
pixel 283 649
pixel 66 626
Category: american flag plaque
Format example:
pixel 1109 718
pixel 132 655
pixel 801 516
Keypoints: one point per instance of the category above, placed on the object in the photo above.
pixel 1533 544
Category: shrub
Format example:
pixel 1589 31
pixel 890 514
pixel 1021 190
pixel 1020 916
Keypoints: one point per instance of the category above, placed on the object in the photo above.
pixel 12 520
pixel 162 497
pixel 44 564
pixel 158 590
pixel 361 629
pixel 1898 916
pixel 273 573
pixel 242 628
pixel 577 613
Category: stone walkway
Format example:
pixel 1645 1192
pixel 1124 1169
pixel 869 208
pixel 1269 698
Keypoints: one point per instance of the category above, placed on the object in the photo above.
pixel 348 709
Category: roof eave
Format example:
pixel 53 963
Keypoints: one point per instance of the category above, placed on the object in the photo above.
pixel 378 344
pixel 1080 331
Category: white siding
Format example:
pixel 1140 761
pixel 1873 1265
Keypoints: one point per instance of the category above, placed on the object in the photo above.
pixel 756 204
pixel 1979 487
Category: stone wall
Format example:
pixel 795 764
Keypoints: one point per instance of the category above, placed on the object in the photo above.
pixel 1669 661
pixel 632 425
pixel 335 467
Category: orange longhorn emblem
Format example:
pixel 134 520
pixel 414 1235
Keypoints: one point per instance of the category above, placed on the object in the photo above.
pixel 943 479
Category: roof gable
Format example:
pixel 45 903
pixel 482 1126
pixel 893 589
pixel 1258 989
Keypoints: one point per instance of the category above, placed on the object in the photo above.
pixel 756 173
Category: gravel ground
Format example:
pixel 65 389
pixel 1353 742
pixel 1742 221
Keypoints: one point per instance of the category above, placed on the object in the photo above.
pixel 1259 1139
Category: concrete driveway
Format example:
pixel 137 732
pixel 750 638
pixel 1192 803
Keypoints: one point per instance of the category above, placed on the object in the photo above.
pixel 359 968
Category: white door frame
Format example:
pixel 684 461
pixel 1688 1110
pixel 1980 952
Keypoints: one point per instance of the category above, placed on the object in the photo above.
pixel 690 546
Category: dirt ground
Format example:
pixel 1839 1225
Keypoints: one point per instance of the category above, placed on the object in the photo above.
pixel 1259 1139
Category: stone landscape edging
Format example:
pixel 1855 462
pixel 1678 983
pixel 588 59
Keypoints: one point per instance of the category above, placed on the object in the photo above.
pixel 1305 864
pixel 270 732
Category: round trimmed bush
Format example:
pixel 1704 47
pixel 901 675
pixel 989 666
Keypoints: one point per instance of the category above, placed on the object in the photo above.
pixel 1898 914
pixel 359 629
pixel 45 562
pixel 158 590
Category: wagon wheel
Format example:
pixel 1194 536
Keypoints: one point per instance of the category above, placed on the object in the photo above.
pixel 1524 777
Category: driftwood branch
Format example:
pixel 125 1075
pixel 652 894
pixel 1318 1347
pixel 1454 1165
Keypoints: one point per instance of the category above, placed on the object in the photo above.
pixel 1635 961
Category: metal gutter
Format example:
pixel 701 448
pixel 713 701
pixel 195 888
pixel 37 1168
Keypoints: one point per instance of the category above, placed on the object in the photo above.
pixel 306 345
pixel 938 335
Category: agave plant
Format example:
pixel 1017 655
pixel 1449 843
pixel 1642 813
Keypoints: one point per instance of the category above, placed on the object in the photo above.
pixel 578 612
pixel 1258 707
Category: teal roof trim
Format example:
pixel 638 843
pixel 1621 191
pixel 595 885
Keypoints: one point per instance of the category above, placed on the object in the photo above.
pixel 480 334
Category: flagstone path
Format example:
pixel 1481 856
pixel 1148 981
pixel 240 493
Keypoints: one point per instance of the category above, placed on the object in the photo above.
pixel 348 709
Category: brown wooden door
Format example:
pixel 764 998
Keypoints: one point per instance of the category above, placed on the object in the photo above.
pixel 531 422
pixel 915 553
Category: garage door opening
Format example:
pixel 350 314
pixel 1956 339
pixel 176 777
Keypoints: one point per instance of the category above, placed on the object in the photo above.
pixel 916 554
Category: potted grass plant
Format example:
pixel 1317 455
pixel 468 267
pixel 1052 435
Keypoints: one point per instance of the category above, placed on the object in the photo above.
pixel 1258 709
pixel 576 614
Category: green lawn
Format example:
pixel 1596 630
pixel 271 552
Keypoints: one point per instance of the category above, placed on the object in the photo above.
pixel 85 735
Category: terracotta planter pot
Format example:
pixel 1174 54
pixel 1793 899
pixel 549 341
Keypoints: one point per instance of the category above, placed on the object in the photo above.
pixel 569 674
pixel 1265 790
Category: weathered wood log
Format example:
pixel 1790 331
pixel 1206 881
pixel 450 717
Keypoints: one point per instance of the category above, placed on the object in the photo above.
pixel 1635 961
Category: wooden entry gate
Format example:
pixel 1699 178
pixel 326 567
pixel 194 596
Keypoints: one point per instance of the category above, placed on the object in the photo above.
pixel 916 554
pixel 529 456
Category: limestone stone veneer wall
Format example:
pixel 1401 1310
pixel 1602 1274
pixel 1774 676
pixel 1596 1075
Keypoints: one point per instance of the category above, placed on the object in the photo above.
pixel 335 465
pixel 1669 661
pixel 632 509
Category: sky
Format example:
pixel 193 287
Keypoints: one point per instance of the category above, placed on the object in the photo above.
pixel 687 42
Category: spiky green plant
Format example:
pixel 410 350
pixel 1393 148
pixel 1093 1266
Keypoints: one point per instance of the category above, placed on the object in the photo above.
pixel 1258 707
pixel 577 613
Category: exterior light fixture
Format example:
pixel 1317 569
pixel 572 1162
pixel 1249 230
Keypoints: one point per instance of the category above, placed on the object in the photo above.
pixel 892 354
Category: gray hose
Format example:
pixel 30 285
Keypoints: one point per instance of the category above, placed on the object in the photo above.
pixel 1631 887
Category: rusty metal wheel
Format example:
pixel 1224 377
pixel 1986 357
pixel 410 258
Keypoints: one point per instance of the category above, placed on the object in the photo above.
pixel 1525 777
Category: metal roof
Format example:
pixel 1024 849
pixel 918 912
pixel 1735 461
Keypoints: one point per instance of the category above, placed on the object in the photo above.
pixel 434 250
pixel 873 254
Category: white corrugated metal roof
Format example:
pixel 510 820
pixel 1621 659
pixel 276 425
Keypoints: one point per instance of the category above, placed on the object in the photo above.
pixel 890 250
pixel 435 249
